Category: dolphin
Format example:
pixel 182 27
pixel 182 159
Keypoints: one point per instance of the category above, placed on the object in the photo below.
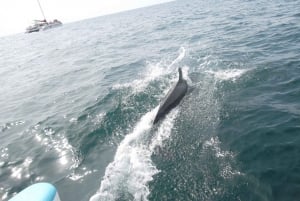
pixel 173 98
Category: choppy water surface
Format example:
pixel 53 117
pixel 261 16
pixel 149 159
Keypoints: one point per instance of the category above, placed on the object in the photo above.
pixel 77 104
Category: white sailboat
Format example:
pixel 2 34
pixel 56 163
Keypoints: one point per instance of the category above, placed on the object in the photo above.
pixel 42 24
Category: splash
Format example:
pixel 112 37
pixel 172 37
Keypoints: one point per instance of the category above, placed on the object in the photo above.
pixel 229 74
pixel 179 58
pixel 153 72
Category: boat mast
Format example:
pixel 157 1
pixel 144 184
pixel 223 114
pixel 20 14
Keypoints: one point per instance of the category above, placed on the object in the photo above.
pixel 42 10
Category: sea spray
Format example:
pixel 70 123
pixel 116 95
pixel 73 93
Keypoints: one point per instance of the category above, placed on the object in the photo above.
pixel 152 72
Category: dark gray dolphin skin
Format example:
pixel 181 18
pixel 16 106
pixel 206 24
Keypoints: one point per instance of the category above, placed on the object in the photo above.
pixel 173 98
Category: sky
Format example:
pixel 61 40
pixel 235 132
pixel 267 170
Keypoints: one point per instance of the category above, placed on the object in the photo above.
pixel 16 15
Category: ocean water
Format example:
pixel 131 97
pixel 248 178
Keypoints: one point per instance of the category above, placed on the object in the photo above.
pixel 77 104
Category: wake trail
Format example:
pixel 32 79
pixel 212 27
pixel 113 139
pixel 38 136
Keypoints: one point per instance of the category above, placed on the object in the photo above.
pixel 132 167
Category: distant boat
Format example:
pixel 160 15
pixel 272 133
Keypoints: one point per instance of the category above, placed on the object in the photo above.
pixel 41 25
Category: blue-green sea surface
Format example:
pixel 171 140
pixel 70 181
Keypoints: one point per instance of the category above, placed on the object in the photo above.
pixel 77 104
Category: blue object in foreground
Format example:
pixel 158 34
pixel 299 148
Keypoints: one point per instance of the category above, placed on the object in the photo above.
pixel 37 192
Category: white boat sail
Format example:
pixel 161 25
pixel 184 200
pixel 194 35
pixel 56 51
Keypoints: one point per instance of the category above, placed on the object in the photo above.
pixel 40 25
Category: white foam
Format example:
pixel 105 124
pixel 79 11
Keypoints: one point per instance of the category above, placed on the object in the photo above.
pixel 131 161
pixel 153 72
pixel 228 74
pixel 132 168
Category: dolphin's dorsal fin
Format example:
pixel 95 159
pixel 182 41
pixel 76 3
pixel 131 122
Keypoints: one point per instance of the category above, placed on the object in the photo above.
pixel 180 74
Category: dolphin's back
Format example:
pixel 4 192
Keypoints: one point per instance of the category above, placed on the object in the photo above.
pixel 172 100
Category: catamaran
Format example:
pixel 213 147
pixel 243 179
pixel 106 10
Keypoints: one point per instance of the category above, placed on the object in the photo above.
pixel 41 25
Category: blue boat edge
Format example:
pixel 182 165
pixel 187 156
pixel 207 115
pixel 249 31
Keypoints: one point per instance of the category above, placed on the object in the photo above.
pixel 37 192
